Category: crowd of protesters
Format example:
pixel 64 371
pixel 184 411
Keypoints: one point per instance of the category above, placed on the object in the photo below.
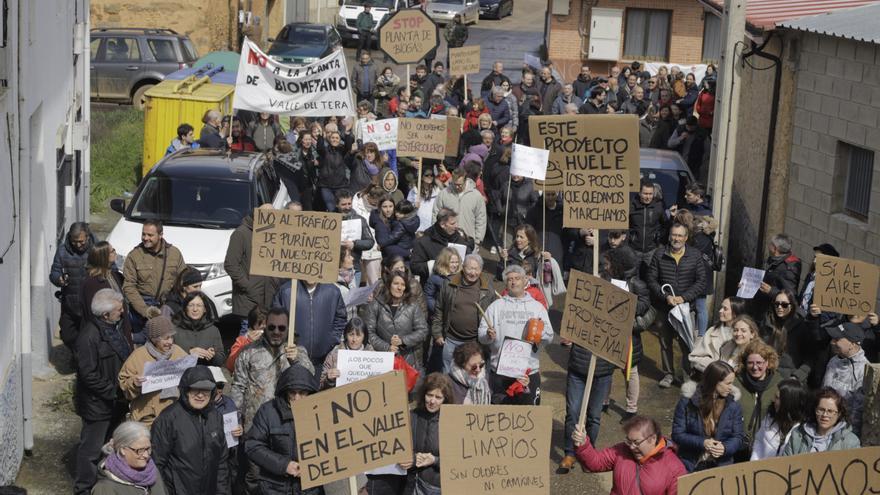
pixel 767 377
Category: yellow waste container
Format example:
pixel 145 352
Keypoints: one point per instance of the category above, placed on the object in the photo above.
pixel 174 102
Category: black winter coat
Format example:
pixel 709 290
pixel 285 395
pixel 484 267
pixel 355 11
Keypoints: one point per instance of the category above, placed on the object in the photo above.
pixel 687 277
pixel 365 243
pixel 429 246
pixel 333 168
pixel 189 446
pixel 783 272
pixel 426 440
pixel 271 441
pixel 705 244
pixel 72 263
pixel 552 230
pixel 806 351
pixel 646 224
pixel 98 363
pixel 248 290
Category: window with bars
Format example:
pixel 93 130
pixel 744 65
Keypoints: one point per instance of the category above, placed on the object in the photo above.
pixel 647 34
pixel 858 171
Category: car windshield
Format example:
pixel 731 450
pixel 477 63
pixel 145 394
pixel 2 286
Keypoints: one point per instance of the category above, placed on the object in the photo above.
pixel 378 4
pixel 193 201
pixel 306 36
pixel 671 182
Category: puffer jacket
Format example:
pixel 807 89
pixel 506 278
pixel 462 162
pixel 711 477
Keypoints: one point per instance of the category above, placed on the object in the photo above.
pixel 656 476
pixel 68 261
pixel 645 224
pixel 446 302
pixel 803 437
pixel 333 166
pixel 270 443
pixel 470 206
pixel 409 323
pixel 687 277
pixel 248 290
pixel 426 440
pixel 144 407
pixel 688 433
pixel 320 318
pixel 189 446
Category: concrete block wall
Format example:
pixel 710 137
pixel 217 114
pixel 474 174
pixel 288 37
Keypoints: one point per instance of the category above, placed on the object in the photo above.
pixel 686 36
pixel 837 101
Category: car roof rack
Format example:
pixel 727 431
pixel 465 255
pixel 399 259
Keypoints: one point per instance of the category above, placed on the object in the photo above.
pixel 144 30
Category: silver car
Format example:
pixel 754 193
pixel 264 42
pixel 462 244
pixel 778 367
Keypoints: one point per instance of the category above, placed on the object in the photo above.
pixel 443 11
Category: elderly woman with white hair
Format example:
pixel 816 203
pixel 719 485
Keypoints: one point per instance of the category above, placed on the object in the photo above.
pixel 128 468
pixel 516 316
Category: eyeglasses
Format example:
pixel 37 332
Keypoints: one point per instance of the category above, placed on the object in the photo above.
pixel 141 452
pixel 756 364
pixel 782 305
pixel 636 443
pixel 280 328
pixel 826 412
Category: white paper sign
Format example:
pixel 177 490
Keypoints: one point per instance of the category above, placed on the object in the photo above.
pixel 351 229
pixel 620 283
pixel 382 132
pixel 165 374
pixel 357 365
pixel 359 295
pixel 230 422
pixel 389 469
pixel 461 249
pixel 320 89
pixel 513 361
pixel 750 282
pixel 529 162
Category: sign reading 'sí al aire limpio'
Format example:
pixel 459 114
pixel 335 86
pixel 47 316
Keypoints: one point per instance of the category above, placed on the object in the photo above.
pixel 296 244
pixel 845 286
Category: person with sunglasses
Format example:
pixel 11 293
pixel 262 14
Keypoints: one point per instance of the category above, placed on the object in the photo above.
pixel 645 462
pixel 470 383
pixel 801 345
pixel 260 364
pixel 128 468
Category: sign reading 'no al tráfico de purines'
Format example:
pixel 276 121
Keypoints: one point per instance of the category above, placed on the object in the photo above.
pixel 302 245
pixel 320 89
pixel 408 35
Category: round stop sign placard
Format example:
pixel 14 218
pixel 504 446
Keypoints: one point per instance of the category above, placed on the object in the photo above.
pixel 408 35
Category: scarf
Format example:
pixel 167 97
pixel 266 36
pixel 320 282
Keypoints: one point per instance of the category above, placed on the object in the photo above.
pixel 478 391
pixel 156 353
pixel 756 387
pixel 371 169
pixel 112 334
pixel 145 477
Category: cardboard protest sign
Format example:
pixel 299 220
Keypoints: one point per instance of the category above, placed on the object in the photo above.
pixel 382 132
pixel 835 472
pixel 464 60
pixel 495 449
pixel 599 316
pixel 320 89
pixel 514 358
pixel 165 374
pixel 408 35
pixel 347 430
pixel 529 162
pixel 296 244
pixel 597 144
pixel 453 135
pixel 845 286
pixel 357 365
pixel 595 201
pixel 425 138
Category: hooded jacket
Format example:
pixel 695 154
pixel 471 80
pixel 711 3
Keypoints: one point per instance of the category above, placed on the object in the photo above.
pixel 509 316
pixel 320 318
pixel 248 290
pixel 397 238
pixel 656 476
pixel 846 376
pixel 199 333
pixel 271 441
pixel 687 427
pixel 189 445
pixel 429 246
pixel 803 439
pixel 470 206
pixel 68 261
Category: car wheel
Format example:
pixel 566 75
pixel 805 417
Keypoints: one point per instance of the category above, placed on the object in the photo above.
pixel 139 100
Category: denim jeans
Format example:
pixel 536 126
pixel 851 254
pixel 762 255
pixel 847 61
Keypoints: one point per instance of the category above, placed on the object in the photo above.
pixel 702 315
pixel 448 350
pixel 574 396
pixel 329 196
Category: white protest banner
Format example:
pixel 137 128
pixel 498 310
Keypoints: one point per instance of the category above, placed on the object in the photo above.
pixel 230 422
pixel 513 360
pixel 351 229
pixel 320 89
pixel 382 132
pixel 357 365
pixel 359 295
pixel 750 282
pixel 164 374
pixel 529 162
pixel 461 249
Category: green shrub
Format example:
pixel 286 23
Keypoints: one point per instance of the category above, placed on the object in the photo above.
pixel 117 151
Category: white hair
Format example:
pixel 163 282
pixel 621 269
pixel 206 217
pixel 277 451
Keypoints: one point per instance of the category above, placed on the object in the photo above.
pixel 476 258
pixel 104 301
pixel 125 435
pixel 512 269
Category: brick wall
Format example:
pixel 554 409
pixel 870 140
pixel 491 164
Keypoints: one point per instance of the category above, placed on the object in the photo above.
pixel 837 101
pixel 686 37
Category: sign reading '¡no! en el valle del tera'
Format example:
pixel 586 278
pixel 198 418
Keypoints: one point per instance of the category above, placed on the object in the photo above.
pixel 303 245
pixel 408 35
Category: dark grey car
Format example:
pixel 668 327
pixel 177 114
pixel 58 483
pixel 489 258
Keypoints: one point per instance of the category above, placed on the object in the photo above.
pixel 126 62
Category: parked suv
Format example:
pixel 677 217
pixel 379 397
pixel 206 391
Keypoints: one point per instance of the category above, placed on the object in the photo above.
pixel 126 62
pixel 200 196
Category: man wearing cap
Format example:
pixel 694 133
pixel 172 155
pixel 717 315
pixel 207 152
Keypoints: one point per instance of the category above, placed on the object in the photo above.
pixel 806 296
pixel 260 364
pixel 189 445
pixel 159 347
pixel 364 24
pixel 845 372
pixel 271 441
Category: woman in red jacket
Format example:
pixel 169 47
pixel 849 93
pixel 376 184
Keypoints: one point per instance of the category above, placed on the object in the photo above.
pixel 705 105
pixel 643 464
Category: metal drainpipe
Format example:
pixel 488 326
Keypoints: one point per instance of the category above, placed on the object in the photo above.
pixel 771 136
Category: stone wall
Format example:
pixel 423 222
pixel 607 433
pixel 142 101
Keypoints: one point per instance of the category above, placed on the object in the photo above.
pixel 10 427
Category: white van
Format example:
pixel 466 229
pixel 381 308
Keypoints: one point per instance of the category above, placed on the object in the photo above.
pixel 350 9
